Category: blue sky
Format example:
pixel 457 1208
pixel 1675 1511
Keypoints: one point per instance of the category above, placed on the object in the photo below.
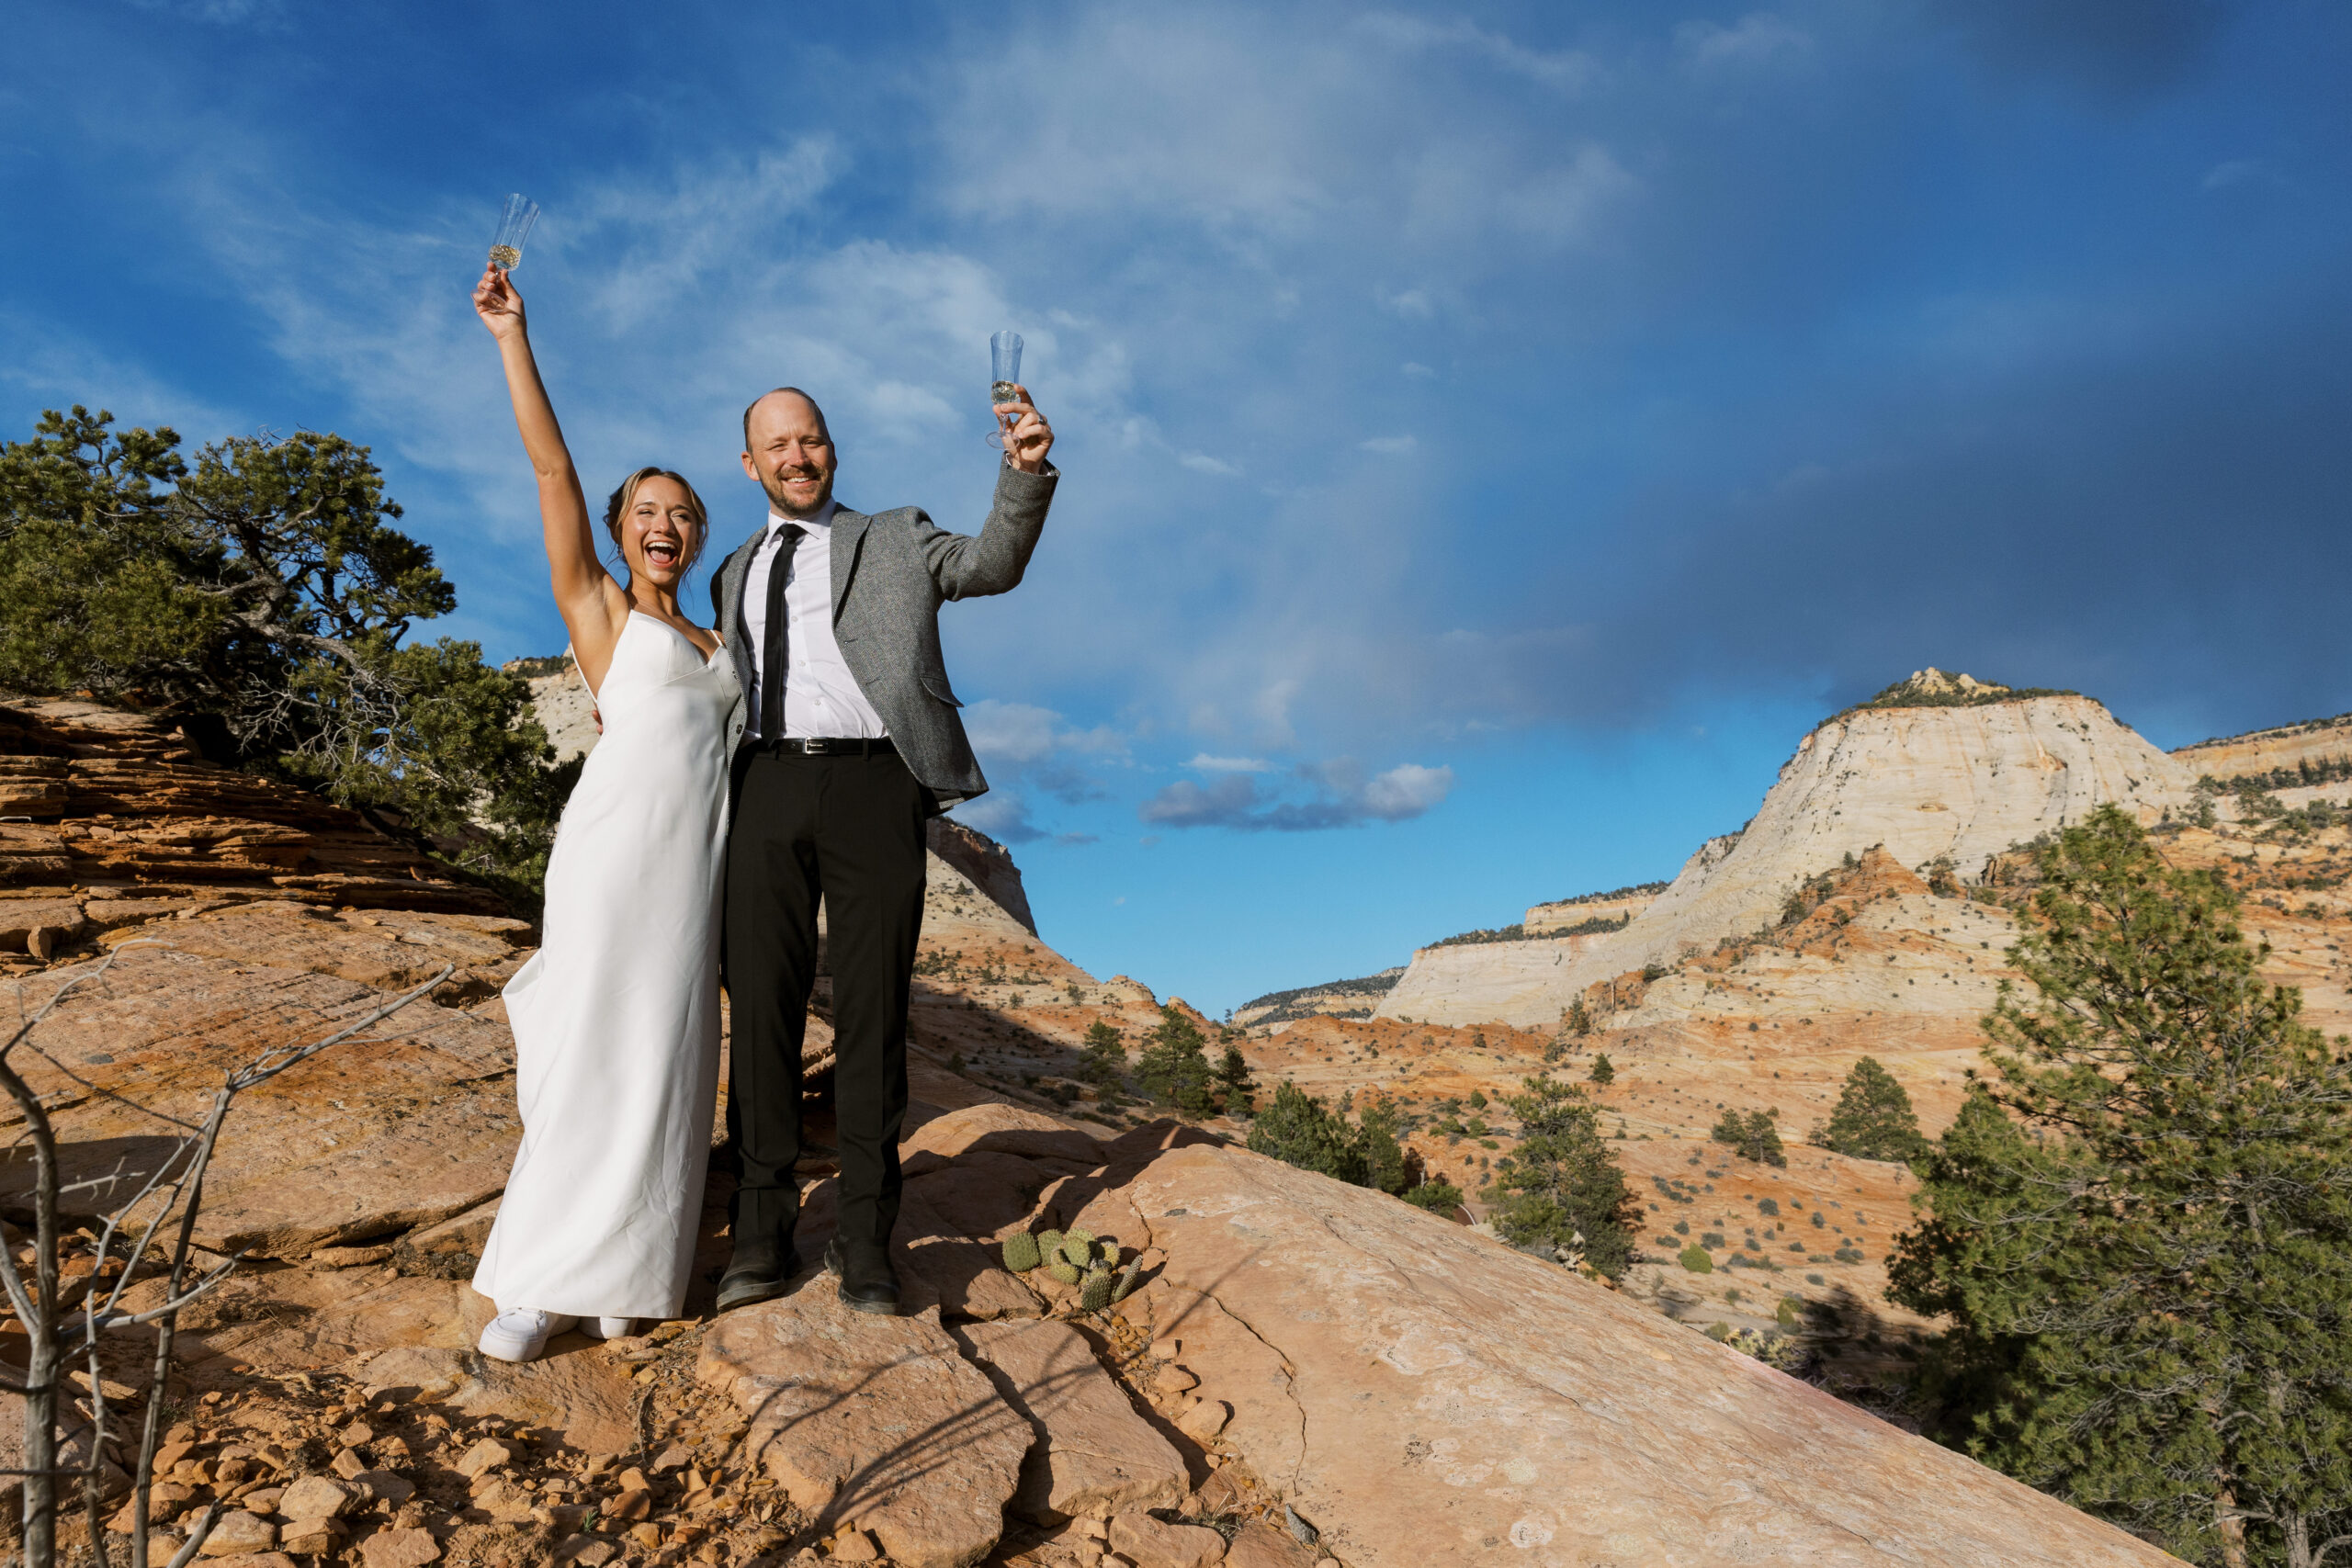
pixel 1491 434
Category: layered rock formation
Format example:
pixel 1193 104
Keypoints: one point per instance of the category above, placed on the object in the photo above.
pixel 1621 906
pixel 1332 998
pixel 2323 744
pixel 1952 781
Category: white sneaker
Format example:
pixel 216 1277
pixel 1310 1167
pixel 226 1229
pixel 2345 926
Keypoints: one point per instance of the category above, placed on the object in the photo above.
pixel 607 1327
pixel 521 1333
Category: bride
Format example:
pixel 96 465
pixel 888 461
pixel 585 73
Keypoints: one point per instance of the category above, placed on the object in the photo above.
pixel 615 1018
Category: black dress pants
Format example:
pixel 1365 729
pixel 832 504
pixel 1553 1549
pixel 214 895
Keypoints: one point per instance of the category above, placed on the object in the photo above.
pixel 848 830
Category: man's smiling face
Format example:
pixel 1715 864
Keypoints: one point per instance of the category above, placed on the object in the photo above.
pixel 788 448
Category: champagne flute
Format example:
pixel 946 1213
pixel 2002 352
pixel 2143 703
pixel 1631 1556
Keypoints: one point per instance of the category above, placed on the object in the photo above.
pixel 1004 374
pixel 514 227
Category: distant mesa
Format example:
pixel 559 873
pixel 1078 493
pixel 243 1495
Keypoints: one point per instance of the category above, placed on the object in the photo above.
pixel 1332 998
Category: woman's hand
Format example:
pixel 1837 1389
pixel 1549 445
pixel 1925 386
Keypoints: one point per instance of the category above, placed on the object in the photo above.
pixel 498 304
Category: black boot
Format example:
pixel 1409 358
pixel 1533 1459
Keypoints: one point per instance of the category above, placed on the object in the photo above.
pixel 868 1283
pixel 763 1260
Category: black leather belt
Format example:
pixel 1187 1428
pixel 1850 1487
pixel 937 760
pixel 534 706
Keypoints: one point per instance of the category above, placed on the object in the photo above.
pixel 828 746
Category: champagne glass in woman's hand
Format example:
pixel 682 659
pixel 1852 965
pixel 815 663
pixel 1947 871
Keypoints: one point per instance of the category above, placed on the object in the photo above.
pixel 498 303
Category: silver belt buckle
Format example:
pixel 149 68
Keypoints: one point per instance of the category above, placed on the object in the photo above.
pixel 815 746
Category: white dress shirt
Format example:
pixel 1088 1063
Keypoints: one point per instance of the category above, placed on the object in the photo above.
pixel 821 695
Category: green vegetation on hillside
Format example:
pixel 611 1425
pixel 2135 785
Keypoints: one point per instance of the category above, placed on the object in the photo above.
pixel 1298 1130
pixel 1912 693
pixel 261 597
pixel 1753 1136
pixel 1560 1190
pixel 2140 1227
pixel 1873 1119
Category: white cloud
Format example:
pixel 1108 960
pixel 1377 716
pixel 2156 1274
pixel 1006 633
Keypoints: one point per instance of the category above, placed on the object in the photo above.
pixel 1390 446
pixel 1202 763
pixel 1337 795
pixel 1757 39
pixel 1201 463
pixel 1565 69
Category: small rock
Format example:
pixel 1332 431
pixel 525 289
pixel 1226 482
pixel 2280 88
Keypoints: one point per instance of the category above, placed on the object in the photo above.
pixel 677 1456
pixel 348 1256
pixel 1303 1532
pixel 400 1549
pixel 1261 1545
pixel 1172 1380
pixel 646 1535
pixel 1204 1419
pixel 631 1505
pixel 349 1465
pixel 633 1480
pixel 263 1500
pixel 1148 1543
pixel 316 1497
pixel 254 1560
pixel 312 1538
pixel 357 1434
pixel 386 1487
pixel 854 1546
pixel 592 1551
pixel 487 1454
pixel 1166 1349
pixel 237 1532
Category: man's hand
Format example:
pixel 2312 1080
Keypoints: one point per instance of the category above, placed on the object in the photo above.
pixel 498 304
pixel 1027 436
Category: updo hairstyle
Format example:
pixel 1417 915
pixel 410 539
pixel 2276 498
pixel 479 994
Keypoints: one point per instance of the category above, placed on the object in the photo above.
pixel 618 508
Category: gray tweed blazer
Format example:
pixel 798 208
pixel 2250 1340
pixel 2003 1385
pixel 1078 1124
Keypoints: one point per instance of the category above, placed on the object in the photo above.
pixel 891 571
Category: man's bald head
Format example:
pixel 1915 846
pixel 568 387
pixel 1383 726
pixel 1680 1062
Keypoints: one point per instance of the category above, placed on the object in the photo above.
pixel 788 449
pixel 752 407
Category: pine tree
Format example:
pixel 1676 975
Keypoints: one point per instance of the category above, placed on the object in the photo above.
pixel 1560 1187
pixel 2142 1230
pixel 1240 1089
pixel 1103 1062
pixel 1753 1136
pixel 1174 1066
pixel 1384 1160
pixel 1873 1119
pixel 1603 1073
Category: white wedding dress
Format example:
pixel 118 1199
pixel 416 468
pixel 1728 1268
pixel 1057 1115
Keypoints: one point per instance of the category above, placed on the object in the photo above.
pixel 615 1018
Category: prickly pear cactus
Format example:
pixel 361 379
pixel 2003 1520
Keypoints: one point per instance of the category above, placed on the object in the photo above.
pixel 1127 1279
pixel 1060 1269
pixel 1048 1243
pixel 1096 1293
pixel 1080 1249
pixel 1021 1252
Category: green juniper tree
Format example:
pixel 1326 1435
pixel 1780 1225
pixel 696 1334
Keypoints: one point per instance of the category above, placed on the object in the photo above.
pixel 1560 1186
pixel 1603 1073
pixel 1753 1136
pixel 1298 1130
pixel 1174 1068
pixel 261 597
pixel 1873 1119
pixel 2141 1229
pixel 1386 1163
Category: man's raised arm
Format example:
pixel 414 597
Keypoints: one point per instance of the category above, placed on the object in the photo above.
pixel 968 565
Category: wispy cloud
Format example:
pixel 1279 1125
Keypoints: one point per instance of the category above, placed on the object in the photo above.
pixel 1757 39
pixel 1338 794
pixel 1566 70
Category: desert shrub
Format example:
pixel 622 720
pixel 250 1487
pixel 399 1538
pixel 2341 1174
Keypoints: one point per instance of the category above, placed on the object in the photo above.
pixel 1602 1071
pixel 1695 1259
pixel 1437 1197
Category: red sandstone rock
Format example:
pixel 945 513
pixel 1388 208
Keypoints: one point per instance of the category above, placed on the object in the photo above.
pixel 875 1422
pixel 1094 1455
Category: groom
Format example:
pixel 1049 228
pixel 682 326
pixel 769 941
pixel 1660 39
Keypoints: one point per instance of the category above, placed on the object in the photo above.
pixel 852 742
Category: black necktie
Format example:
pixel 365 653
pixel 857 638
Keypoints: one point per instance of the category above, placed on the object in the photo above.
pixel 774 641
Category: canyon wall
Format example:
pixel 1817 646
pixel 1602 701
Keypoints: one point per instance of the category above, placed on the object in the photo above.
pixel 2325 741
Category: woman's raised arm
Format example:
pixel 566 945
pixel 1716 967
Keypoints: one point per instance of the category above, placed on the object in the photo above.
pixel 595 608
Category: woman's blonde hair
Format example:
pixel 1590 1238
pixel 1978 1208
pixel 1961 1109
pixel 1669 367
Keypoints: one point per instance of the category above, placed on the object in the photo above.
pixel 618 508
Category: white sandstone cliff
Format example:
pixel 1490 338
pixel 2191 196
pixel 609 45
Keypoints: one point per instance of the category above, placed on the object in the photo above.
pixel 1962 783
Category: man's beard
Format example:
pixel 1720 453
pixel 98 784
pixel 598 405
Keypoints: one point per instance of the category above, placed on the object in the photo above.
pixel 784 508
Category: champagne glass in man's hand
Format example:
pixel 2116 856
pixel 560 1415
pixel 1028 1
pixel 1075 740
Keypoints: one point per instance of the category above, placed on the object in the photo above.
pixel 1027 436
